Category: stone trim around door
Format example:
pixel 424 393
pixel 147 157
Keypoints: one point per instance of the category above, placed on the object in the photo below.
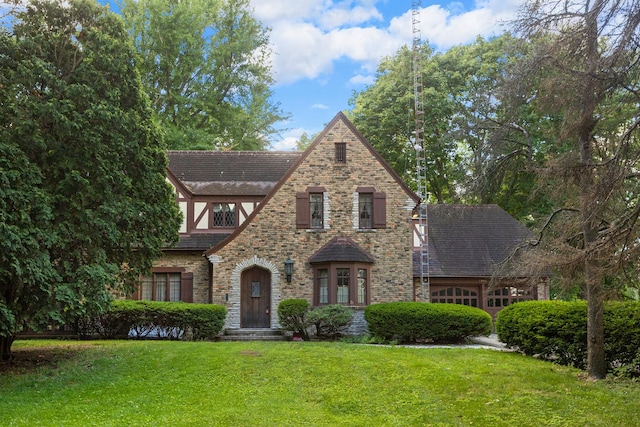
pixel 233 307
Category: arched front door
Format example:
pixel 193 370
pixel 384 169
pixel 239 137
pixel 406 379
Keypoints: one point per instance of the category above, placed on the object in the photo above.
pixel 255 298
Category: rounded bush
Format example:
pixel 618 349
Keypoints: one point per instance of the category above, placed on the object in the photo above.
pixel 292 314
pixel 417 321
pixel 330 320
pixel 557 330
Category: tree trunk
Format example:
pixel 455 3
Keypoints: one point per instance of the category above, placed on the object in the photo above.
pixel 5 348
pixel 590 199
pixel 596 363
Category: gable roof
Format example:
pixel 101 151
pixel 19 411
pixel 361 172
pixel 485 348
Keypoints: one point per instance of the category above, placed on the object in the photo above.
pixel 341 249
pixel 224 173
pixel 338 117
pixel 469 240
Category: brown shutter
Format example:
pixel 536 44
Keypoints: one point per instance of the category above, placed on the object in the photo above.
pixel 379 210
pixel 186 287
pixel 302 210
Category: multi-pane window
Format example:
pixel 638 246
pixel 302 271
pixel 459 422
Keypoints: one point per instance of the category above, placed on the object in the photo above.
pixel 323 286
pixel 316 208
pixel 369 208
pixel 455 295
pixel 341 152
pixel 224 215
pixel 341 283
pixel 361 287
pixel 160 287
pixel 503 297
pixel 365 210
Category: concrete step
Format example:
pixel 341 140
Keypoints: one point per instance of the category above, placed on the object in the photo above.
pixel 252 335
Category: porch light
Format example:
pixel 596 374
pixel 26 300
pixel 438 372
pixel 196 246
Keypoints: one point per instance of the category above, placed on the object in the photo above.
pixel 288 269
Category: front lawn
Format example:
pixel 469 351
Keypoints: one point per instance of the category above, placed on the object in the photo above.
pixel 164 383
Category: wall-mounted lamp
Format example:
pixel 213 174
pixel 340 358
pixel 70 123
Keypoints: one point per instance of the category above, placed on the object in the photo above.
pixel 288 269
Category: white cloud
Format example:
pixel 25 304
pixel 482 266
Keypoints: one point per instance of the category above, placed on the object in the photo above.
pixel 289 140
pixel 359 79
pixel 319 107
pixel 308 36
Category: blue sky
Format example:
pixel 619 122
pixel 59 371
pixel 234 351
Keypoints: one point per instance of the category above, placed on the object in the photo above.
pixel 324 50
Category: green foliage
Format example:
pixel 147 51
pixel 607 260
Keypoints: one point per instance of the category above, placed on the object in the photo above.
pixel 87 207
pixel 292 314
pixel 415 321
pixel 205 65
pixel 557 330
pixel 554 330
pixel 330 320
pixel 163 319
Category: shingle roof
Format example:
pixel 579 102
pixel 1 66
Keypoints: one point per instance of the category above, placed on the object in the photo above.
pixel 230 172
pixel 469 240
pixel 201 241
pixel 340 249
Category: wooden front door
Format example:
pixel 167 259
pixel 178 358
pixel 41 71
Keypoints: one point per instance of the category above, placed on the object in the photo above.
pixel 255 298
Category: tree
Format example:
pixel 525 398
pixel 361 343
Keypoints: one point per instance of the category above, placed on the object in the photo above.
pixel 204 64
pixel 462 114
pixel 85 205
pixel 582 79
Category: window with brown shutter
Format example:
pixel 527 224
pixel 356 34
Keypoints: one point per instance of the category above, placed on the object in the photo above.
pixel 310 208
pixel 372 208
pixel 165 285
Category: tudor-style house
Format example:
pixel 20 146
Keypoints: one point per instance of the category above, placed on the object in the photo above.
pixel 333 224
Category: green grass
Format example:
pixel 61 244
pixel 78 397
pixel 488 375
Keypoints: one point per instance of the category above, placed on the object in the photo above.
pixel 163 383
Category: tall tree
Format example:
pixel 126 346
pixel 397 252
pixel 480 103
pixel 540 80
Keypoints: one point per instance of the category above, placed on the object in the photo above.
pixel 462 116
pixel 85 206
pixel 205 66
pixel 582 78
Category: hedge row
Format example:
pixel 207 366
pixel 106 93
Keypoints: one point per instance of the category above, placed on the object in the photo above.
pixel 416 321
pixel 557 330
pixel 167 320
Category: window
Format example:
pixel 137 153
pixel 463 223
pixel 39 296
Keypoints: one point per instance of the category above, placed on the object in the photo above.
pixel 311 208
pixel 365 210
pixel 224 215
pixel 316 209
pixel 169 286
pixel 503 297
pixel 362 286
pixel 341 283
pixel 370 208
pixel 455 295
pixel 341 152
pixel 323 286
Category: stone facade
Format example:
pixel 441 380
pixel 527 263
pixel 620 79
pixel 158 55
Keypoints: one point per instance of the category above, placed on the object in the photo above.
pixel 270 236
pixel 192 262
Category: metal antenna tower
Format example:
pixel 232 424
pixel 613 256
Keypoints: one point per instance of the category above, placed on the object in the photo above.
pixel 421 163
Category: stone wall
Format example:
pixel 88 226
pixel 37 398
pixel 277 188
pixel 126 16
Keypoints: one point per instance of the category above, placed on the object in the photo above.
pixel 272 236
pixel 192 262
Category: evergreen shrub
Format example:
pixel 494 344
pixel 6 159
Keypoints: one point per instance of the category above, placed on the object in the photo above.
pixel 168 320
pixel 292 314
pixel 426 322
pixel 557 330
pixel 330 320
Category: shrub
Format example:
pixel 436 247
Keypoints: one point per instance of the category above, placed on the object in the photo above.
pixel 557 330
pixel 293 316
pixel 330 320
pixel 416 321
pixel 170 320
